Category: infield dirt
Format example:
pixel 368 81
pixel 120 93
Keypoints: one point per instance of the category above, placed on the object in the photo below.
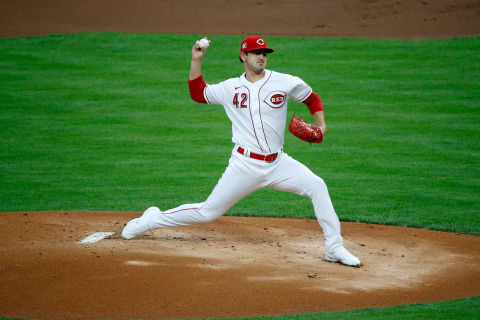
pixel 234 266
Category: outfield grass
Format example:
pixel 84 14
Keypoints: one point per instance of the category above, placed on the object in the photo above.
pixel 104 122
pixel 465 309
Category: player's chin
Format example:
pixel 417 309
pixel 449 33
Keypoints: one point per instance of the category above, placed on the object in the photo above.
pixel 259 69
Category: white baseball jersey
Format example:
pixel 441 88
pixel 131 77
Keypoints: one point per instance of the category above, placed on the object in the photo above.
pixel 258 110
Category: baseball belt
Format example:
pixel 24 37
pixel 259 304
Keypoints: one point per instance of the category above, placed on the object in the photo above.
pixel 262 157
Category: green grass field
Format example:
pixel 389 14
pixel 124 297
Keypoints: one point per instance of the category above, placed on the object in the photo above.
pixel 466 309
pixel 105 122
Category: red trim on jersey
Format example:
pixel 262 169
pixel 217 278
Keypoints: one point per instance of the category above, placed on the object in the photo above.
pixel 251 118
pixel 260 111
pixel 196 87
pixel 314 103
pixel 181 210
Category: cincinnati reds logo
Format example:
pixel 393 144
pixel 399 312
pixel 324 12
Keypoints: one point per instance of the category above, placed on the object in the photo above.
pixel 276 99
pixel 244 46
pixel 261 42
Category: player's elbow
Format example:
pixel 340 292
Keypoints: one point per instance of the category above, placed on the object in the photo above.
pixel 196 88
pixel 197 98
pixel 314 103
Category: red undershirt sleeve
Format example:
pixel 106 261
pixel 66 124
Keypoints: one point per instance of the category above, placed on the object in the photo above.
pixel 313 103
pixel 196 87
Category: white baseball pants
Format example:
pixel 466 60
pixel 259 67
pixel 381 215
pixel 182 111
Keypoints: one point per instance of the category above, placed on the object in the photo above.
pixel 245 175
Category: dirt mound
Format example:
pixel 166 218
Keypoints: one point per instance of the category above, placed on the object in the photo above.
pixel 231 267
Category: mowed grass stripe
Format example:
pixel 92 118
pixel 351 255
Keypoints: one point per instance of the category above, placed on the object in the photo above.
pixel 104 122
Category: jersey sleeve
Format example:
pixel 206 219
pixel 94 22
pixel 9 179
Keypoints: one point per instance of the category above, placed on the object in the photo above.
pixel 197 88
pixel 300 90
pixel 314 103
pixel 217 93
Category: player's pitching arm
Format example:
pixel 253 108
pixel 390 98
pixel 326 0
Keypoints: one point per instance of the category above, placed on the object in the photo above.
pixel 196 64
pixel 196 83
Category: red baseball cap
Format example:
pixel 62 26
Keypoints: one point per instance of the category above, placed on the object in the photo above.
pixel 254 43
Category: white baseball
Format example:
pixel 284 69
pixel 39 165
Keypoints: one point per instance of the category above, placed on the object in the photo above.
pixel 203 43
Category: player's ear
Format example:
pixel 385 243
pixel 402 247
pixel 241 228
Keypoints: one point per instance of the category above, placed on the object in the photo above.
pixel 242 57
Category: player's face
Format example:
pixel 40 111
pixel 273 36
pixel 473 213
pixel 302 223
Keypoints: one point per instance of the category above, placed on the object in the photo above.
pixel 256 61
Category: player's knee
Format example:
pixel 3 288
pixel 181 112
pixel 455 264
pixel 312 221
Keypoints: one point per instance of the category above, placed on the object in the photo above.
pixel 319 186
pixel 321 183
pixel 209 216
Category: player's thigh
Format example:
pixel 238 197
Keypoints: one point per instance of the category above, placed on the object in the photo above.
pixel 236 183
pixel 293 176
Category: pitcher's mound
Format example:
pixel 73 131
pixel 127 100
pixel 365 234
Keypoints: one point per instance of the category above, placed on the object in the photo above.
pixel 231 267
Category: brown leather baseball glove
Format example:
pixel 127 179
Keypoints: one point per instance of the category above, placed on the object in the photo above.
pixel 305 131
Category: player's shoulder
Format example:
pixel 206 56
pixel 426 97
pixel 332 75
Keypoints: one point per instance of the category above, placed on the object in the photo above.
pixel 226 83
pixel 282 75
pixel 285 78
pixel 236 81
pixel 279 74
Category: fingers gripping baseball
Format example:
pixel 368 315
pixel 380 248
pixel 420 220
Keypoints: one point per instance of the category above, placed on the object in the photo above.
pixel 199 48
pixel 202 43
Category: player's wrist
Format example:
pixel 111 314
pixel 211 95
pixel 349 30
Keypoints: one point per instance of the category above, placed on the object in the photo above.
pixel 323 129
pixel 197 59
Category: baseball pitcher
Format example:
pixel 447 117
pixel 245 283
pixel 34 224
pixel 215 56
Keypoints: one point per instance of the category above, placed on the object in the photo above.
pixel 256 103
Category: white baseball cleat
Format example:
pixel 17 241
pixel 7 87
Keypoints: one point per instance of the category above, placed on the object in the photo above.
pixel 343 256
pixel 139 225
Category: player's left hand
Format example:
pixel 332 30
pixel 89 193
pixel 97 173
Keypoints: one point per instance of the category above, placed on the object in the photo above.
pixel 305 131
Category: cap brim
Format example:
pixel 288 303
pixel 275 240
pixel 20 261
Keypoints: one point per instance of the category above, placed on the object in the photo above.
pixel 267 50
